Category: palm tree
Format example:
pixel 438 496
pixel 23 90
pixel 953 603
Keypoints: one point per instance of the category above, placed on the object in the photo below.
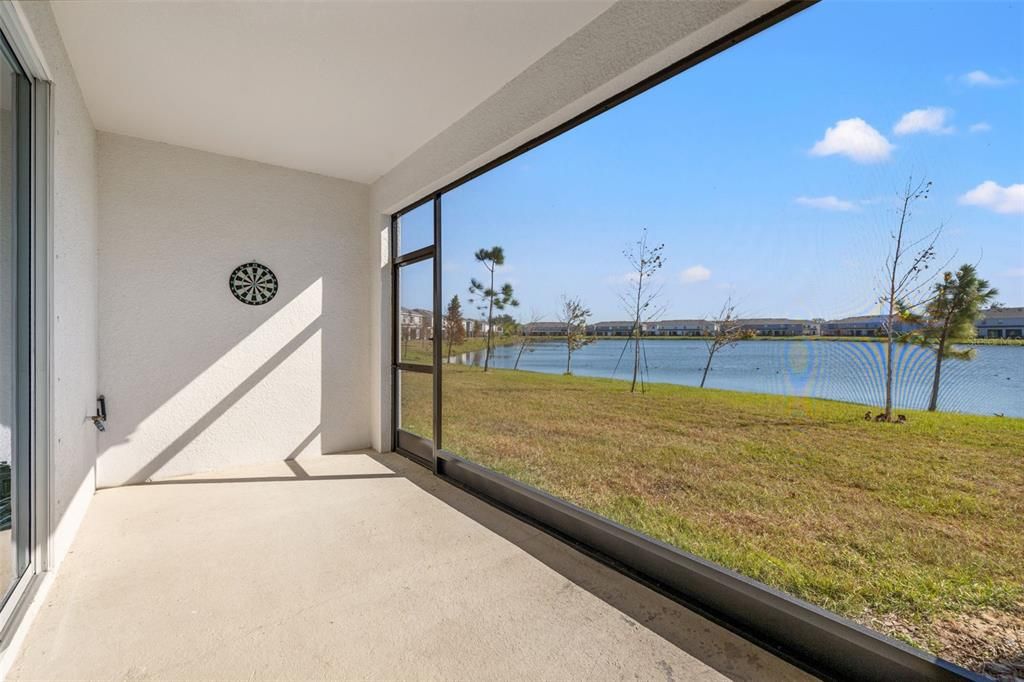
pixel 955 306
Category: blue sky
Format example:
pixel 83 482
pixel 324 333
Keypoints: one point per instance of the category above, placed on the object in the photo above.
pixel 770 171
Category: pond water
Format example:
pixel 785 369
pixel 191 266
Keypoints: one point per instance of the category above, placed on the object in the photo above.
pixel 991 383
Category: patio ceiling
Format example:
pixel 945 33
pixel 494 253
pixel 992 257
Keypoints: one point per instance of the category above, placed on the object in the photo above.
pixel 346 89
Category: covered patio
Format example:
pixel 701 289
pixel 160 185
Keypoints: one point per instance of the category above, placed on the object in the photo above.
pixel 225 456
pixel 352 566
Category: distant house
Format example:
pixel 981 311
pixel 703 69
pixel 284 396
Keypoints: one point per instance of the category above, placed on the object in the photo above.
pixel 470 326
pixel 1001 323
pixel 417 324
pixel 862 325
pixel 475 327
pixel 780 327
pixel 619 328
pixel 544 329
pixel 681 328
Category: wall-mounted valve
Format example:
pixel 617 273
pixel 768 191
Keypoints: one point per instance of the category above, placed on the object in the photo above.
pixel 100 418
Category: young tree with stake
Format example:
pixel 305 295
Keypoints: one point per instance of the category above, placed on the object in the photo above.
pixel 641 300
pixel 905 264
pixel 426 331
pixel 525 338
pixel 490 299
pixel 727 331
pixel 955 306
pixel 574 315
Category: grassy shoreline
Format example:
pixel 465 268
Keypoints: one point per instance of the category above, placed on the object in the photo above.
pixel 907 528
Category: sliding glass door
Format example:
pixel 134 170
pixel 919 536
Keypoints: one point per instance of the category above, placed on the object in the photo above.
pixel 15 320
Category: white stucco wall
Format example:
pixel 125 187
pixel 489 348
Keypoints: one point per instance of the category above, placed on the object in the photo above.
pixel 74 267
pixel 627 43
pixel 194 379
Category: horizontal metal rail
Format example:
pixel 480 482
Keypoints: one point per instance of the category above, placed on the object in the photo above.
pixel 415 256
pixel 414 447
pixel 413 367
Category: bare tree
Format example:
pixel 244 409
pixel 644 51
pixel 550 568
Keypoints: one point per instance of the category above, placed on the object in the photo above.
pixel 641 300
pixel 726 331
pixel 905 264
pixel 574 315
pixel 426 331
pixel 526 339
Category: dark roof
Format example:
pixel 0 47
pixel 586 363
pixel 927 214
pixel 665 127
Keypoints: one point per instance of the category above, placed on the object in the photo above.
pixel 857 318
pixel 1002 313
pixel 772 320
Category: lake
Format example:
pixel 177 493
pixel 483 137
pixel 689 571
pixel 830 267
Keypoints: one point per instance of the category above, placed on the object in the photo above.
pixel 992 383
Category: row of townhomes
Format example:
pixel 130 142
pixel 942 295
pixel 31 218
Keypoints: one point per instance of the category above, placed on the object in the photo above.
pixel 761 327
pixel 1002 323
pixel 995 324
pixel 418 325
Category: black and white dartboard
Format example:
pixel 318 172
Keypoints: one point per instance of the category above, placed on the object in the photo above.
pixel 253 283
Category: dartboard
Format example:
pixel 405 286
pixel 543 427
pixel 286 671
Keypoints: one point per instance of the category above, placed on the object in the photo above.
pixel 253 283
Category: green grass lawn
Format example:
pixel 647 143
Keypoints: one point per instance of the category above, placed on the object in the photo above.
pixel 912 528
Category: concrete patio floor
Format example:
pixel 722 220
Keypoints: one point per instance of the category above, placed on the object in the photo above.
pixel 352 566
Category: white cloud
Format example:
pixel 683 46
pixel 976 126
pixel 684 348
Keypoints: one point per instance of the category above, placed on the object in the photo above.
pixel 980 78
pixel 854 138
pixel 928 120
pixel 695 273
pixel 829 203
pixel 995 197
pixel 980 127
pixel 1015 272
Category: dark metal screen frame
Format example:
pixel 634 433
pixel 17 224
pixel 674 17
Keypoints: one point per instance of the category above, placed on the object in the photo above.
pixel 812 638
pixel 418 448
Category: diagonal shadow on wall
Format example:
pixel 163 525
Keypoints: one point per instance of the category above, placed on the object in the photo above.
pixel 218 410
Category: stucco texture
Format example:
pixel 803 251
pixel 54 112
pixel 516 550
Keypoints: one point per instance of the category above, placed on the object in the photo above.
pixel 194 379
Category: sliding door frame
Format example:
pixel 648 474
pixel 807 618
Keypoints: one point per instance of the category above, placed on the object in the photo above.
pixel 34 215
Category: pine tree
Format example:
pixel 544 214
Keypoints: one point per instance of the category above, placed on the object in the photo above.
pixel 490 299
pixel 454 324
pixel 949 315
